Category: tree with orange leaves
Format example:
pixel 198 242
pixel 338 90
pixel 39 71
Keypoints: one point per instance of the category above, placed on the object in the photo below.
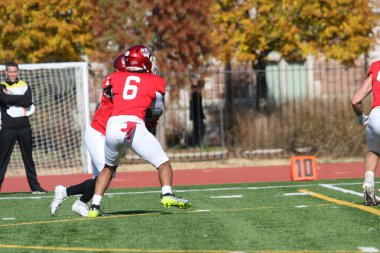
pixel 36 31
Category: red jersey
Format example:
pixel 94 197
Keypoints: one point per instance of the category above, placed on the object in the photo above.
pixel 134 92
pixel 103 113
pixel 374 70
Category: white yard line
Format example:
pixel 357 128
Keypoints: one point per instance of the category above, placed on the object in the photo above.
pixel 348 183
pixel 333 187
pixel 301 206
pixel 368 249
pixel 226 197
pixel 26 197
pixel 11 218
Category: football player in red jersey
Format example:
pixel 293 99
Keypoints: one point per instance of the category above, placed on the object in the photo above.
pixel 370 84
pixel 94 139
pixel 137 100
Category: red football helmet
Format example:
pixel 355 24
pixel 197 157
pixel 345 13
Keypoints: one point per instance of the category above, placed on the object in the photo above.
pixel 138 59
pixel 119 63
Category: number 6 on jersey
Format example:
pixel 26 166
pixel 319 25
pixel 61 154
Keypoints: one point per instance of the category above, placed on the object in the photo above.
pixel 130 89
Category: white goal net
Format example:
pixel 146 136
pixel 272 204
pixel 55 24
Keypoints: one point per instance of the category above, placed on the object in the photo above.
pixel 60 95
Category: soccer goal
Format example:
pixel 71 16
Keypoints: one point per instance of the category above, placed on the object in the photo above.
pixel 60 95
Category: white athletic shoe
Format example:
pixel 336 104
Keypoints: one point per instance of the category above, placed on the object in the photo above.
pixel 369 195
pixel 59 196
pixel 80 208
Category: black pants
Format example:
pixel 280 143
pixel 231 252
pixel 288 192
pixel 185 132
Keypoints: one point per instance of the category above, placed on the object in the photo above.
pixel 198 133
pixel 8 139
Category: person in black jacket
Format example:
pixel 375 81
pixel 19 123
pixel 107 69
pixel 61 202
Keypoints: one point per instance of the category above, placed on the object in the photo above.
pixel 196 114
pixel 16 105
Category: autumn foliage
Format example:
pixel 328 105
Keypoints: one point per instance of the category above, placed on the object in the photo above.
pixel 177 31
pixel 250 30
pixel 45 31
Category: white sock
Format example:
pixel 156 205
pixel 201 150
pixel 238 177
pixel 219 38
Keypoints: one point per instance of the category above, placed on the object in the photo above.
pixel 166 189
pixel 96 199
pixel 370 178
pixel 65 192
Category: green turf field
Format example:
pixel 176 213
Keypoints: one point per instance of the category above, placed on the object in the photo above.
pixel 328 216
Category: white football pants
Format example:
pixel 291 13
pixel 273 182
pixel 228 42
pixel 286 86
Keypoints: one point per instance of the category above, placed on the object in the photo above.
pixel 373 131
pixel 95 142
pixel 130 132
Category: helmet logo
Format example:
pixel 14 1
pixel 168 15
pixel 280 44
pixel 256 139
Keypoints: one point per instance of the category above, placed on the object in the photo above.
pixel 145 52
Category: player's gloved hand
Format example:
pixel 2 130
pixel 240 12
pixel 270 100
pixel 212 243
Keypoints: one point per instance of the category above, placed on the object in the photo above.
pixel 363 119
pixel 151 123
pixel 150 119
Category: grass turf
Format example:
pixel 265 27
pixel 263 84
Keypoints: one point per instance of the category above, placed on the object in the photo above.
pixel 223 218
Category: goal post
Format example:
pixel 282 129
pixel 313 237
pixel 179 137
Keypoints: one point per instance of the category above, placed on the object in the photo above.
pixel 61 97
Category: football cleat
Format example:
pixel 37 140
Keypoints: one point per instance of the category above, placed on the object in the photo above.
pixel 59 196
pixel 94 211
pixel 169 200
pixel 369 195
pixel 80 208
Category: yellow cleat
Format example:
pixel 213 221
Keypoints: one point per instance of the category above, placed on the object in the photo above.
pixel 94 211
pixel 169 200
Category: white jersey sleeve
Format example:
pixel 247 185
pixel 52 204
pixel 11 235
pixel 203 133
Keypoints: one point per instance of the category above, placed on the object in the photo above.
pixel 157 106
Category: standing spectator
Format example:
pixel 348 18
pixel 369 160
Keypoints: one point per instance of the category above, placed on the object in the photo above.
pixel 196 114
pixel 16 105
pixel 370 84
pixel 137 102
